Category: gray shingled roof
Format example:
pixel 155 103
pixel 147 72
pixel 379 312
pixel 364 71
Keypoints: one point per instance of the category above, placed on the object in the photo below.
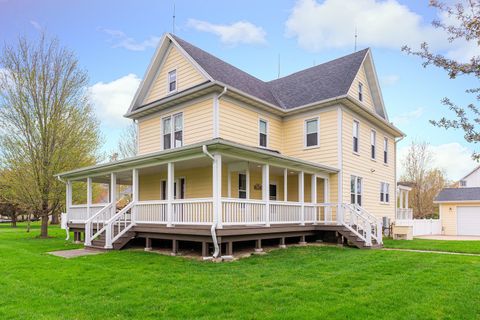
pixel 459 194
pixel 325 81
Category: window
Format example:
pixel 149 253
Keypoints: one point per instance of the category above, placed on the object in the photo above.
pixel 311 133
pixel 463 183
pixel 373 142
pixel 356 190
pixel 173 133
pixel 273 192
pixel 356 127
pixel 178 189
pixel 172 81
pixel 385 150
pixel 384 192
pixel 360 91
pixel 242 186
pixel 263 133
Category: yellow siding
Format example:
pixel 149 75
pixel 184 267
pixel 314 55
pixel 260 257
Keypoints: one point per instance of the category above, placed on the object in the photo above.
pixel 197 126
pixel 361 77
pixel 187 75
pixel 294 145
pixel 241 124
pixel 373 172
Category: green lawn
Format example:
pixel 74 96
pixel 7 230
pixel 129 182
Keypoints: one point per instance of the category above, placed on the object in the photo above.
pixel 435 245
pixel 297 283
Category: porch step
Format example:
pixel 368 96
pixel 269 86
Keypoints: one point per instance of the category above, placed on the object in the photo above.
pixel 121 242
pixel 356 241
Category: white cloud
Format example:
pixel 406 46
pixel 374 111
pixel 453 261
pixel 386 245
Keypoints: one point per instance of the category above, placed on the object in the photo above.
pixel 452 158
pixel 240 32
pixel 407 117
pixel 382 24
pixel 119 39
pixel 112 99
pixel 36 25
pixel 389 80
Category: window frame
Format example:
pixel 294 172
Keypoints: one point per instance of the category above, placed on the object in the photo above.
pixel 357 132
pixel 355 192
pixel 463 183
pixel 373 144
pixel 385 151
pixel 169 82
pixel 305 139
pixel 246 185
pixel 260 133
pixel 360 91
pixel 384 192
pixel 177 185
pixel 172 117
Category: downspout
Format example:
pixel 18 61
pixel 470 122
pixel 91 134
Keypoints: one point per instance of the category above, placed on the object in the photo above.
pixel 214 225
pixel 223 92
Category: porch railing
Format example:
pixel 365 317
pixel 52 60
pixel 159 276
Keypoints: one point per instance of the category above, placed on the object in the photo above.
pixel 79 212
pixel 243 211
pixel 404 214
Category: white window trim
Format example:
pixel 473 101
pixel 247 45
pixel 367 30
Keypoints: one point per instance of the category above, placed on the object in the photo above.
pixel 358 137
pixel 361 191
pixel 246 184
pixel 177 183
pixel 382 184
pixel 360 91
pixel 374 132
pixel 385 148
pixel 305 133
pixel 172 130
pixel 267 133
pixel 168 81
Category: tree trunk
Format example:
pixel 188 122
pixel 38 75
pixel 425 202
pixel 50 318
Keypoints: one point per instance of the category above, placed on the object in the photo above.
pixel 14 221
pixel 54 218
pixel 44 228
pixel 29 218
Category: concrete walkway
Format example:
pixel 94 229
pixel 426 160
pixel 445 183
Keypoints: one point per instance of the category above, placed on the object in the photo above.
pixel 67 254
pixel 432 251
pixel 450 238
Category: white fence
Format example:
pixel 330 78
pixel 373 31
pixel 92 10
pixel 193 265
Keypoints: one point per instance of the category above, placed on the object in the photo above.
pixel 425 227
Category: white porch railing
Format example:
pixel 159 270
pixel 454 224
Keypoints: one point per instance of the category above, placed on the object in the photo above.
pixel 152 212
pixel 243 211
pixel 404 214
pixel 285 212
pixel 79 212
pixel 192 211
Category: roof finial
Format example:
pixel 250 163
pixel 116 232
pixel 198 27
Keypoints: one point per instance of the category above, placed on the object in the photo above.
pixel 356 36
pixel 173 19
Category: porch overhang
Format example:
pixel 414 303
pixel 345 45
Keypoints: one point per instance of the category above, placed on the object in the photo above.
pixel 193 151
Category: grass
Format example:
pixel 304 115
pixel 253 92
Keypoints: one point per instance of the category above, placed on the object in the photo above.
pixel 297 283
pixel 435 245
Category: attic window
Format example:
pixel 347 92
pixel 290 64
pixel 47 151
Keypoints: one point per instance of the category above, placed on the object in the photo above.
pixel 463 183
pixel 360 91
pixel 172 81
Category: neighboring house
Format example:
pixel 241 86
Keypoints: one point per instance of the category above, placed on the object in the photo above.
pixel 403 226
pixel 459 207
pixel 312 153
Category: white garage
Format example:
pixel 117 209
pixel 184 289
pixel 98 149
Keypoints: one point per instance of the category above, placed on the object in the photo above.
pixel 468 221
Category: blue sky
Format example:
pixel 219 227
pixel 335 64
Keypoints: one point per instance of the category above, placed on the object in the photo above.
pixel 115 40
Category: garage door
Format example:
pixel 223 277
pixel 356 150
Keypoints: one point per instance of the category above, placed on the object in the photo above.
pixel 468 221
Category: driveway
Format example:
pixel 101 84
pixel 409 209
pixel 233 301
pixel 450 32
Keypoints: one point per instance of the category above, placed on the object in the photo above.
pixel 442 237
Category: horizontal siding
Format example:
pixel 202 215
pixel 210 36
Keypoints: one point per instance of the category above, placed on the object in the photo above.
pixel 372 172
pixel 367 94
pixel 197 125
pixel 187 75
pixel 241 124
pixel 293 136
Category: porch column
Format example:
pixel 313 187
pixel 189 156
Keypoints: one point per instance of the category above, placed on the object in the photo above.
pixel 401 199
pixel 217 190
pixel 326 190
pixel 266 192
pixel 68 200
pixel 406 199
pixel 301 199
pixel 89 196
pixel 170 186
pixel 113 192
pixel 285 185
pixel 313 196
pixel 134 193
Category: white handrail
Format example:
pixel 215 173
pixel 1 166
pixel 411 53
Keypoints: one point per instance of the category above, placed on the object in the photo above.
pixel 109 239
pixel 88 224
pixel 376 224
pixel 357 223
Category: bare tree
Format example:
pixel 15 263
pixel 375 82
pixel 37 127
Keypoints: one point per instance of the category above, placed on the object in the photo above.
pixel 464 26
pixel 48 125
pixel 426 181
pixel 127 144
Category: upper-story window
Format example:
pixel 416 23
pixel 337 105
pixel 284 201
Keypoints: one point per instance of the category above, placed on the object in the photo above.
pixel 463 183
pixel 384 192
pixel 360 91
pixel 263 128
pixel 355 134
pixel 173 132
pixel 172 81
pixel 311 133
pixel 373 143
pixel 385 150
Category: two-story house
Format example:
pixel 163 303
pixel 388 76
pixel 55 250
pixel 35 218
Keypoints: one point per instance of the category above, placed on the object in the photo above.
pixel 226 157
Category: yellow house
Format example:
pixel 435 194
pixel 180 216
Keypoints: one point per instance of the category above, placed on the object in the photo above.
pixel 225 157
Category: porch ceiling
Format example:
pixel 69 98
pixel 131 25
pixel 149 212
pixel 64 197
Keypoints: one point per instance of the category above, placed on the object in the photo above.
pixel 192 156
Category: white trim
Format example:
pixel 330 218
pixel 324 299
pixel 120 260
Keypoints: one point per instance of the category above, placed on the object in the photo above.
pixel 216 117
pixel 305 133
pixel 374 132
pixel 301 195
pixel 340 164
pixel 170 186
pixel 355 120
pixel 168 81
pixel 285 184
pixel 266 191
pixel 267 133
pixel 172 116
